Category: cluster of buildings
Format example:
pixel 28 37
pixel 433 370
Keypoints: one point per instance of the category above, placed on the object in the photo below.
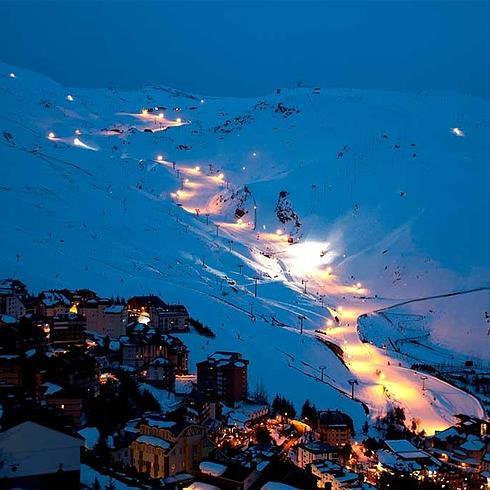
pixel 60 350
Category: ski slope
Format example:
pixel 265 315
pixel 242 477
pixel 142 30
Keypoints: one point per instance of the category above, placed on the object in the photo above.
pixel 195 201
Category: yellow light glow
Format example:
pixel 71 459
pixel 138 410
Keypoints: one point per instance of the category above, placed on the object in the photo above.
pixel 144 111
pixel 160 115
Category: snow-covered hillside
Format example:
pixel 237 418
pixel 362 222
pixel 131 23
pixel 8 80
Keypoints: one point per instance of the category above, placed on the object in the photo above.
pixel 448 329
pixel 198 198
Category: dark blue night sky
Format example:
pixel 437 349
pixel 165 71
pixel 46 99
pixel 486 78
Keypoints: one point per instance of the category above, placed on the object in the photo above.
pixel 249 48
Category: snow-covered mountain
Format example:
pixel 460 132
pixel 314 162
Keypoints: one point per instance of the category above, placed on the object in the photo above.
pixel 331 203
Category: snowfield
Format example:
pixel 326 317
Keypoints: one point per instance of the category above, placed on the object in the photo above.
pixel 198 198
pixel 448 329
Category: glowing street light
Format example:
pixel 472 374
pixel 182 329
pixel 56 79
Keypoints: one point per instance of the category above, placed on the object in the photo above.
pixel 254 154
pixel 70 98
pixel 197 168
pixel 160 116
pixel 202 101
pixel 358 285
pixel 179 120
pixel 278 232
pixel 51 135
pixel 12 75
pixel 144 111
pixel 457 132
pixel 159 158
pixel 78 132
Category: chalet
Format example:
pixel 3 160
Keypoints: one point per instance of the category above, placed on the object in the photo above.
pixel 36 457
pixel 66 402
pixel 10 370
pixel 13 297
pixel 67 329
pixel 333 476
pixel 229 476
pixel 402 456
pixel 161 316
pixel 176 351
pixel 139 353
pixel 161 373
pixel 53 303
pixel 335 427
pixel 104 317
pixel 165 448
pixel 313 451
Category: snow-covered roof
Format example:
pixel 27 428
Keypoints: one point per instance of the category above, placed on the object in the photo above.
pixel 197 485
pixel 444 434
pixel 400 446
pixel 52 298
pixel 275 485
pixel 114 309
pixel 32 449
pixel 7 319
pixel 161 424
pixel 90 435
pixel 114 345
pixel 212 468
pixel 51 388
pixel 154 441
pixel 473 443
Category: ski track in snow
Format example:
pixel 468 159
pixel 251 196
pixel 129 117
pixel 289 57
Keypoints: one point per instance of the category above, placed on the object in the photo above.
pixel 128 236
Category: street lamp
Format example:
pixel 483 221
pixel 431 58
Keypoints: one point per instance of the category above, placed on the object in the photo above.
pixel 352 383
pixel 301 320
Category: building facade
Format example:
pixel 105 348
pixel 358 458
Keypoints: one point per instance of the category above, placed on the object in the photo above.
pixel 223 375
pixel 165 448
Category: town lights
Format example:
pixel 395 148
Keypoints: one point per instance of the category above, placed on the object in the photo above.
pixel 51 135
pixel 70 98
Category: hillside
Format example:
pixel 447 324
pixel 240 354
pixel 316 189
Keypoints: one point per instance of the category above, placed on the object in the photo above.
pixel 377 193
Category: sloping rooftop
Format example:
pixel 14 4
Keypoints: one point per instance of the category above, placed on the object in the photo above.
pixel 154 441
pixel 32 449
